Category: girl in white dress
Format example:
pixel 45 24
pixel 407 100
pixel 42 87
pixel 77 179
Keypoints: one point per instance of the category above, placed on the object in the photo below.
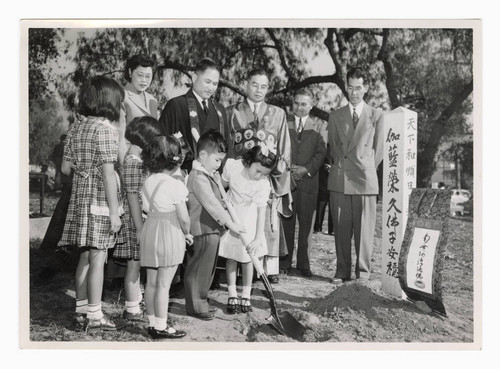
pixel 249 190
pixel 166 230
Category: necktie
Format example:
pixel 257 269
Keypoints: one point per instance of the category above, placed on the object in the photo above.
pixel 355 118
pixel 301 128
pixel 255 117
pixel 205 107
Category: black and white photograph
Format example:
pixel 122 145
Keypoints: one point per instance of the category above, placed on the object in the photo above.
pixel 250 184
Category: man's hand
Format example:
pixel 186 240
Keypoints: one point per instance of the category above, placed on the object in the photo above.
pixel 189 239
pixel 298 172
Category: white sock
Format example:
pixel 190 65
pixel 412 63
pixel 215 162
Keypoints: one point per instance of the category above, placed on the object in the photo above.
pixel 139 295
pixel 232 290
pixel 81 306
pixel 247 290
pixel 132 307
pixel 94 312
pixel 151 320
pixel 160 324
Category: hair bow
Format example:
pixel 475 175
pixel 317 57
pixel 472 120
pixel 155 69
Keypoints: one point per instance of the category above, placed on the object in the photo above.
pixel 178 135
pixel 265 149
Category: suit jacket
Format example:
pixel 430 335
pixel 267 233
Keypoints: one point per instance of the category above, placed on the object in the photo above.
pixel 355 154
pixel 175 118
pixel 135 106
pixel 206 211
pixel 308 152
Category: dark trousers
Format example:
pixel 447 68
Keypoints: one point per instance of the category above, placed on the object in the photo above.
pixel 304 209
pixel 320 214
pixel 56 226
pixel 201 260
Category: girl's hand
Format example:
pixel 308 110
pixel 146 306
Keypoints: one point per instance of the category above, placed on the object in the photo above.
pixel 252 246
pixel 138 234
pixel 189 239
pixel 115 223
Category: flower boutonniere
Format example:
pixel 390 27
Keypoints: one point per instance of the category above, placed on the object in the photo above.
pixel 193 114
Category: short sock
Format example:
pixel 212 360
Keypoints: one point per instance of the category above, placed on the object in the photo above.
pixel 247 291
pixel 160 324
pixel 132 307
pixel 81 306
pixel 94 312
pixel 232 290
pixel 151 320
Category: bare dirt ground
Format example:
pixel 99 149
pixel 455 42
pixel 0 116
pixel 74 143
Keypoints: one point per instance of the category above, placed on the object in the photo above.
pixel 352 312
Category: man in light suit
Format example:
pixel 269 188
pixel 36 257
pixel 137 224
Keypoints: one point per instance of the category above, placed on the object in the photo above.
pixel 308 149
pixel 355 135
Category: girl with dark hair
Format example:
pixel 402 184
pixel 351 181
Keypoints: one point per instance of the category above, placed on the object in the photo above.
pixel 140 132
pixel 94 215
pixel 249 190
pixel 165 232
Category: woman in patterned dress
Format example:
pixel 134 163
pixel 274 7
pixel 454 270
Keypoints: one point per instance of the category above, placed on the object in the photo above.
pixel 94 215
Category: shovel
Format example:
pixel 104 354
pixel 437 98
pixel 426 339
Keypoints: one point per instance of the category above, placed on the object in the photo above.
pixel 284 322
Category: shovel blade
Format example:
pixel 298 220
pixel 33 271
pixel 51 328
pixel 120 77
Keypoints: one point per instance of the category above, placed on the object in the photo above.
pixel 287 325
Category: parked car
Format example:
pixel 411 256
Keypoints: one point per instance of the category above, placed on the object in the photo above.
pixel 458 199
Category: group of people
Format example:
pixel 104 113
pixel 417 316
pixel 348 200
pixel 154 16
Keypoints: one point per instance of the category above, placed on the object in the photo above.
pixel 154 189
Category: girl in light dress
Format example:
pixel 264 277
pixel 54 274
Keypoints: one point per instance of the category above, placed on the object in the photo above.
pixel 249 190
pixel 140 132
pixel 165 232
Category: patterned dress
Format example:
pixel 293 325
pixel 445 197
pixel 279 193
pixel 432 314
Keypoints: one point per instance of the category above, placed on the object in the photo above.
pixel 162 239
pixel 90 143
pixel 133 177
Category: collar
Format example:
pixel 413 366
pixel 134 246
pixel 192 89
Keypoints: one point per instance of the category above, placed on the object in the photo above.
pixel 199 98
pixel 359 108
pixel 198 166
pixel 252 104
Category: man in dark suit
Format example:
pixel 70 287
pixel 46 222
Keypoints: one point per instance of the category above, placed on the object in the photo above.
pixel 308 149
pixel 196 112
pixel 355 135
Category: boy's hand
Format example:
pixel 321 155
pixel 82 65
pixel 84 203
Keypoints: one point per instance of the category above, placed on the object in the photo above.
pixel 236 227
pixel 189 239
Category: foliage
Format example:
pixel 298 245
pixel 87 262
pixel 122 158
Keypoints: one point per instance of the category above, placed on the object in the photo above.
pixel 44 129
pixel 426 70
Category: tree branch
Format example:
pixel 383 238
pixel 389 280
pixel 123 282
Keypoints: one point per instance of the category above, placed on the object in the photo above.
pixel 307 82
pixel 228 59
pixel 281 53
pixel 225 83
pixel 383 55
pixel 338 76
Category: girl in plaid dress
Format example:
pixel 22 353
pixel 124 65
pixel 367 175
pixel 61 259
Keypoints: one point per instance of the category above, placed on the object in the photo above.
pixel 93 220
pixel 140 132
pixel 165 232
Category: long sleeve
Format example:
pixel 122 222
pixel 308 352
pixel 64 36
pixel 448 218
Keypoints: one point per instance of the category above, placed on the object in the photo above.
pixel 202 189
pixel 318 157
pixel 281 176
pixel 378 140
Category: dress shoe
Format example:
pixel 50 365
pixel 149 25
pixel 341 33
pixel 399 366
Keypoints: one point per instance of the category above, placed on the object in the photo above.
pixel 103 324
pixel 138 317
pixel 273 278
pixel 203 316
pixel 80 319
pixel 169 332
pixel 285 271
pixel 306 273
pixel 340 280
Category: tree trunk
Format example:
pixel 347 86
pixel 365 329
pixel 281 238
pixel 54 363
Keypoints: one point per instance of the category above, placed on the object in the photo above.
pixel 426 160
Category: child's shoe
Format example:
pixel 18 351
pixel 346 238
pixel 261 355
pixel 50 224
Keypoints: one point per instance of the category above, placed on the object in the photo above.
pixel 79 319
pixel 103 324
pixel 245 305
pixel 232 305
